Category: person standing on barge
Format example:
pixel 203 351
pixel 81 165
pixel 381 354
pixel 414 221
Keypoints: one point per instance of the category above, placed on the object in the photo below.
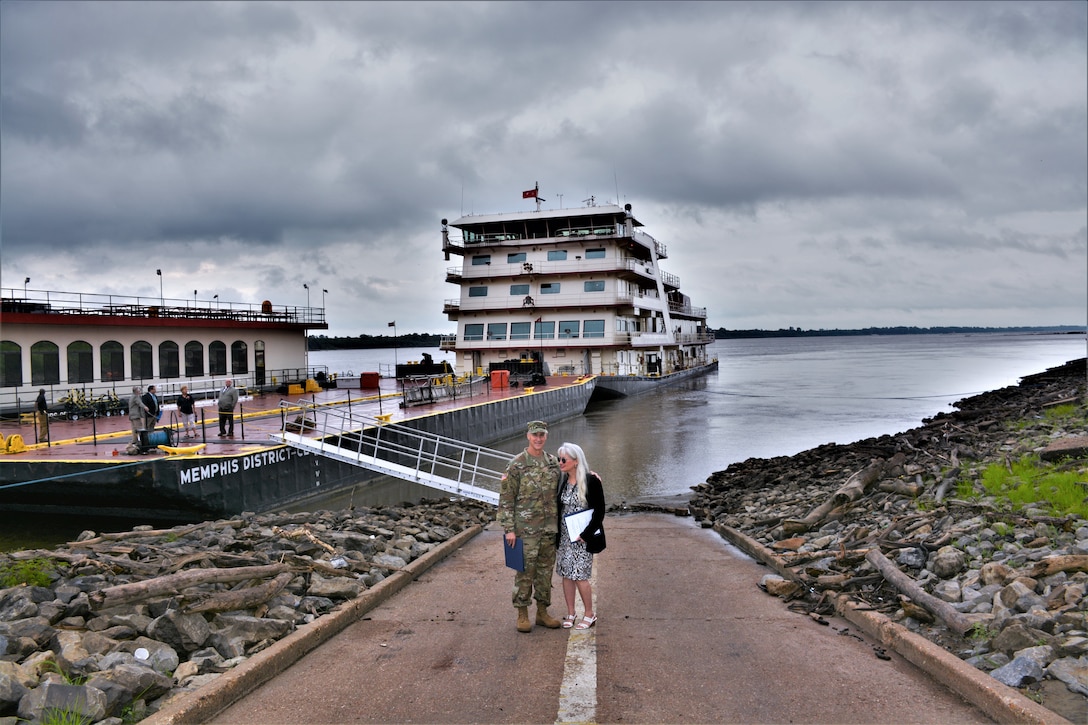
pixel 154 408
pixel 137 413
pixel 43 416
pixel 527 510
pixel 228 398
pixel 188 412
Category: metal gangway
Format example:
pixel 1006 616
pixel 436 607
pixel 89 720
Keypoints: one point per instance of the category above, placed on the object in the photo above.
pixel 428 459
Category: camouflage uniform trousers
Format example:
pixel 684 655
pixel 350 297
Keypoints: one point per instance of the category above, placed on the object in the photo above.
pixel 536 580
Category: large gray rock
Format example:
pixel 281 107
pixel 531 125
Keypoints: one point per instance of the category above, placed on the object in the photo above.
pixel 250 629
pixel 125 682
pixel 1073 672
pixel 88 703
pixel 183 632
pixel 11 692
pixel 947 562
pixel 1021 671
pixel 334 587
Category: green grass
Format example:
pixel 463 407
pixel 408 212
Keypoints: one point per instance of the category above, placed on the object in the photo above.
pixel 1030 482
pixel 1062 413
pixel 34 572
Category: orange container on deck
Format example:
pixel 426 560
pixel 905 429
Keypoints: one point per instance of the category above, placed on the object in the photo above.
pixel 369 380
pixel 500 379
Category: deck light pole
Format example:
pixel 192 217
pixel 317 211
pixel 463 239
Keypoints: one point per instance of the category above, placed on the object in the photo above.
pixel 323 293
pixel 25 283
pixel 161 302
pixel 393 324
pixel 307 294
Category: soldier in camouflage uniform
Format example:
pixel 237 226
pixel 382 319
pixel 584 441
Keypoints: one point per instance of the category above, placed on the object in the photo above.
pixel 528 509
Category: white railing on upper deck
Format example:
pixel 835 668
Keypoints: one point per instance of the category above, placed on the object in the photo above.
pixel 49 302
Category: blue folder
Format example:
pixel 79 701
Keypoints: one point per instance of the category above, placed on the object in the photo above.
pixel 515 555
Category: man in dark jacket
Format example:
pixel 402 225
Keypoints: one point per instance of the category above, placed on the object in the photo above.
pixel 154 410
pixel 43 416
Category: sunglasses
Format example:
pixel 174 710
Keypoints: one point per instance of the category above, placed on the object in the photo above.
pixel 564 460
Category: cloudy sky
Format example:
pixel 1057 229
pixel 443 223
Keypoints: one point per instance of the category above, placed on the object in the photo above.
pixel 815 165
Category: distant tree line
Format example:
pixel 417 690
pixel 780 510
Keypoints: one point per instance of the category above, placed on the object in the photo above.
pixel 416 339
pixel 723 334
pixel 367 342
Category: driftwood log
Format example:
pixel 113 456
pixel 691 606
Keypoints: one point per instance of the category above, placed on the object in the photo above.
pixel 173 583
pixel 854 488
pixel 937 607
pixel 238 598
pixel 1055 564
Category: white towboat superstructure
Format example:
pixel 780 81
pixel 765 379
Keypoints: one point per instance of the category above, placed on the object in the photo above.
pixel 571 291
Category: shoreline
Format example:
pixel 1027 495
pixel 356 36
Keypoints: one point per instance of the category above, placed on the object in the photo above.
pixel 1001 587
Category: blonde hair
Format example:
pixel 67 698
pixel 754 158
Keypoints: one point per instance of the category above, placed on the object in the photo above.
pixel 571 450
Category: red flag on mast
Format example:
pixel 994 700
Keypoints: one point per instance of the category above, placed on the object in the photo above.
pixel 530 194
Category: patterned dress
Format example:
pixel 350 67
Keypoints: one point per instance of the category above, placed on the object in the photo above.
pixel 572 561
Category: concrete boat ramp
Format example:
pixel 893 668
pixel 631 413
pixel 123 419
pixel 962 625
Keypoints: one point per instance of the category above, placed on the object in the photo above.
pixel 684 636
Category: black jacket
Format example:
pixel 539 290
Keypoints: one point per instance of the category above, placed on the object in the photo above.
pixel 593 534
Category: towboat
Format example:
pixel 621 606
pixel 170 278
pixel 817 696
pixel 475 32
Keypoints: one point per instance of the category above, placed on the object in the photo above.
pixel 573 291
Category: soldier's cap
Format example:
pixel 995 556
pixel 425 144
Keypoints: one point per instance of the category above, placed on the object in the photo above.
pixel 538 426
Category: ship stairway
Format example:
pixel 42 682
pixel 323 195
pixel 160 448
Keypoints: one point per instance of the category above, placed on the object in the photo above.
pixel 447 464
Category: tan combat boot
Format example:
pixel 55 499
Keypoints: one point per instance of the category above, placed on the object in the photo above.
pixel 524 625
pixel 545 619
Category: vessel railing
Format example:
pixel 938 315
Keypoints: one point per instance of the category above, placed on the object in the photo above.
pixel 457 467
pixel 51 302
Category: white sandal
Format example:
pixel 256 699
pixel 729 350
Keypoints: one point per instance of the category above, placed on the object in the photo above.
pixel 568 621
pixel 586 622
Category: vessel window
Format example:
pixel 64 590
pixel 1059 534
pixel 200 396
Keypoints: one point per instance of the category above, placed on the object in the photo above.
pixel 11 364
pixel 474 331
pixel 239 358
pixel 80 362
pixel 44 363
pixel 519 330
pixel 194 359
pixel 594 285
pixel 217 358
pixel 557 255
pixel 477 291
pixel 593 328
pixel 515 257
pixel 140 352
pixel 481 259
pixel 568 329
pixel 169 366
pixel 545 330
pixel 549 288
pixel 112 360
pixel 519 290
pixel 496 331
pixel 594 254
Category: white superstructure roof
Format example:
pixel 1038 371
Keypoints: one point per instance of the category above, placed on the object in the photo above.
pixel 531 215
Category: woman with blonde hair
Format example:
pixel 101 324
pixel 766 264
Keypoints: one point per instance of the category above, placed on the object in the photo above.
pixel 579 490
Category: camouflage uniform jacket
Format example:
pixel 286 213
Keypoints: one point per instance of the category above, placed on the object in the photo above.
pixel 527 504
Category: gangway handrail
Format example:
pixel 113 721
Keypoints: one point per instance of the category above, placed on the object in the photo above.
pixel 425 458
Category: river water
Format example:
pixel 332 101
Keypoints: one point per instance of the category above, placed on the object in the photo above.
pixel 769 397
